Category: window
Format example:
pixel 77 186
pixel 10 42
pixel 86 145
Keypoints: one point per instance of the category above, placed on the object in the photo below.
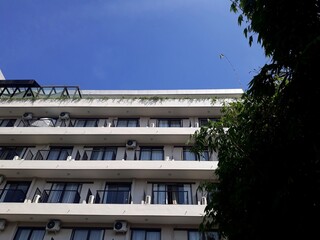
pixel 86 123
pixel 87 234
pixel 171 193
pixel 8 153
pixel 29 234
pixel 195 235
pixel 62 193
pixel 145 234
pixel 115 193
pixel 188 155
pixel 59 153
pixel 151 153
pixel 101 153
pixel 14 192
pixel 204 121
pixel 128 122
pixel 7 122
pixel 169 123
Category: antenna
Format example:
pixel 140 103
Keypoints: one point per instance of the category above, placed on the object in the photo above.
pixel 221 56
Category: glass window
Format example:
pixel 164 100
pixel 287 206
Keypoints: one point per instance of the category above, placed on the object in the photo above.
pixel 59 153
pixel 115 193
pixel 151 153
pixel 7 122
pixel 63 193
pixel 8 153
pixel 171 193
pixel 128 122
pixel 29 234
pixel 169 123
pixel 196 235
pixel 103 153
pixel 87 234
pixel 188 155
pixel 86 123
pixel 14 192
pixel 145 234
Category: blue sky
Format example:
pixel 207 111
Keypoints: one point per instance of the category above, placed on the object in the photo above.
pixel 126 44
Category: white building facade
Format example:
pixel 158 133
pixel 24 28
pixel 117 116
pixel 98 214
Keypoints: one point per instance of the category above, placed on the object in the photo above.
pixel 103 165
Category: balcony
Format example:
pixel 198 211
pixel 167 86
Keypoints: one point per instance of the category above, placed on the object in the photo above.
pixel 102 213
pixel 113 169
pixel 95 135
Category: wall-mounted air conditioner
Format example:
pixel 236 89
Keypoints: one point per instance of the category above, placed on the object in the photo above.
pixel 2 224
pixel 53 226
pixel 131 144
pixel 27 116
pixel 64 116
pixel 120 226
pixel 148 199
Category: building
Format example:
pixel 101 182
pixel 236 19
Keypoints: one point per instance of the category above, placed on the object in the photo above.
pixel 112 165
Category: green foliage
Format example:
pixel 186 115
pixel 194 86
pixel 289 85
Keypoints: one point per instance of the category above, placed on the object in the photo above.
pixel 268 142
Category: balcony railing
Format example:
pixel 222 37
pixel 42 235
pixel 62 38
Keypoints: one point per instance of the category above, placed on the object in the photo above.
pixel 170 197
pixel 149 154
pixel 51 155
pixel 97 155
pixel 31 89
pixel 56 196
pixel 113 196
pixel 41 122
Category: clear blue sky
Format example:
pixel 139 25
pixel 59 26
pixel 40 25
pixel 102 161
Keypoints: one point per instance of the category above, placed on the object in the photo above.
pixel 126 44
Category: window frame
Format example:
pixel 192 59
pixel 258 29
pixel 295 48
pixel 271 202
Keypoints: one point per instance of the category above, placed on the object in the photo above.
pixel 169 197
pixel 170 120
pixel 30 234
pixel 153 150
pixel 8 150
pixel 104 197
pixel 203 235
pixel 146 230
pixel 127 121
pixel 88 229
pixel 63 191
pixel 61 149
pixel 14 189
pixel 86 120
pixel 10 121
pixel 203 156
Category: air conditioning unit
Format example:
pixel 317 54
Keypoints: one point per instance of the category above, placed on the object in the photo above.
pixel 2 224
pixel 131 144
pixel 27 116
pixel 120 226
pixel 53 226
pixel 148 199
pixel 64 116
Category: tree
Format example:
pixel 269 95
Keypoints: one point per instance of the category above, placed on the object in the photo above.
pixel 268 142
